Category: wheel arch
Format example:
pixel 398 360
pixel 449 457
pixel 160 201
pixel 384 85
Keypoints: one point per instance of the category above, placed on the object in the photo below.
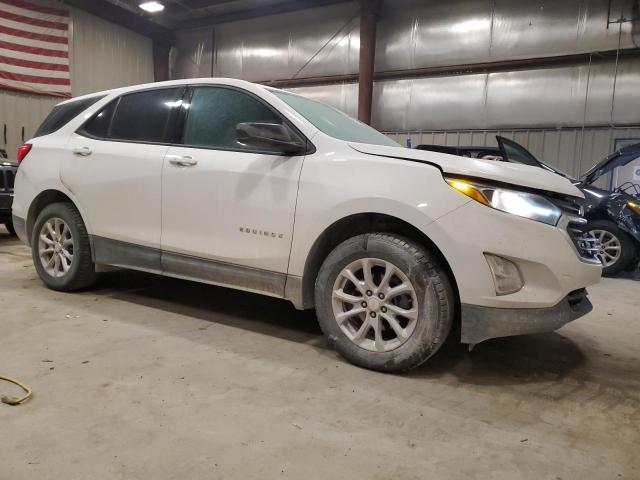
pixel 41 201
pixel 357 224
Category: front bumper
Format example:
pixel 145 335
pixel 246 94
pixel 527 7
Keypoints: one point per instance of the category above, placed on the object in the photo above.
pixel 483 323
pixel 545 255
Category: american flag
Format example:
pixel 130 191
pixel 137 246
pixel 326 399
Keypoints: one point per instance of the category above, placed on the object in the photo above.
pixel 34 48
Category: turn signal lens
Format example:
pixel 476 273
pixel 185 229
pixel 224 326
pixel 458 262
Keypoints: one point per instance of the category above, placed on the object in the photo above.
pixel 469 190
pixel 22 152
pixel 506 275
pixel 635 207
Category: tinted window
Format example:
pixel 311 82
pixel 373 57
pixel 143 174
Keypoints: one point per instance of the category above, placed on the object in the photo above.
pixel 63 114
pixel 98 126
pixel 143 116
pixel 215 112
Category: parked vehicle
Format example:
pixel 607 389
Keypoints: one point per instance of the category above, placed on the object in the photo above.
pixel 7 175
pixel 613 215
pixel 231 183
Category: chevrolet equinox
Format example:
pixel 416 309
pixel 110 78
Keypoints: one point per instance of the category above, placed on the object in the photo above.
pixel 236 184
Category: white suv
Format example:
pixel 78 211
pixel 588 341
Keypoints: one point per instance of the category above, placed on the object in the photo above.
pixel 231 183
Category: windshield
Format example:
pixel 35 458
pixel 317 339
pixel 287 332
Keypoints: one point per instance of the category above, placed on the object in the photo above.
pixel 333 122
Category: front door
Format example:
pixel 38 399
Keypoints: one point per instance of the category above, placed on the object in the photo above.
pixel 227 210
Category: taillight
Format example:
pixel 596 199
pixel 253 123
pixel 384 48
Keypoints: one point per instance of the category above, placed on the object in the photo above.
pixel 22 152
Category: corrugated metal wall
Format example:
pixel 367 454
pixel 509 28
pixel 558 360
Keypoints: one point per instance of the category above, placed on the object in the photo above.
pixel 411 34
pixel 548 107
pixel 102 55
pixel 535 98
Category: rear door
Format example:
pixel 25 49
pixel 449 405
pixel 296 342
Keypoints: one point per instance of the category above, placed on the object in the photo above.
pixel 114 166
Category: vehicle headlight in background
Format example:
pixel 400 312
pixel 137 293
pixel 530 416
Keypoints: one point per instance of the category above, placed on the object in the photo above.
pixel 634 207
pixel 522 204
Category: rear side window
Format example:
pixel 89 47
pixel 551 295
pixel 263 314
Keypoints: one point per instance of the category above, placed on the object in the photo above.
pixel 143 116
pixel 98 126
pixel 63 114
pixel 214 114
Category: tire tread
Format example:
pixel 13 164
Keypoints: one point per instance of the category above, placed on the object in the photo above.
pixel 438 278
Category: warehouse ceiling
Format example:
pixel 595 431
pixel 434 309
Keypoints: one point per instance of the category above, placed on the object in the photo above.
pixel 179 14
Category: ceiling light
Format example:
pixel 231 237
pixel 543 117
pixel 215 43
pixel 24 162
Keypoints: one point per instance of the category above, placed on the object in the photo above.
pixel 152 7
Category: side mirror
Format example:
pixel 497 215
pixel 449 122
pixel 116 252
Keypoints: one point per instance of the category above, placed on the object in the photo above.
pixel 273 137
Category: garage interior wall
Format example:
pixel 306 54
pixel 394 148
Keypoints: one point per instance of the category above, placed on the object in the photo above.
pixel 102 55
pixel 568 114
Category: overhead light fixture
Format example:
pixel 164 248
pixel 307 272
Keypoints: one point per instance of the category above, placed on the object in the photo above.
pixel 151 7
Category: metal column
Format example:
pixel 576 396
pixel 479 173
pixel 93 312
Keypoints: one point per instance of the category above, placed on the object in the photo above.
pixel 368 12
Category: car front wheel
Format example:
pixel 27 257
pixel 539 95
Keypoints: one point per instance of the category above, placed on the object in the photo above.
pixel 384 302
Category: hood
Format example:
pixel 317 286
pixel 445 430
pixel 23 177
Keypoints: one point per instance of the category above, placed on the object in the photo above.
pixel 618 158
pixel 512 173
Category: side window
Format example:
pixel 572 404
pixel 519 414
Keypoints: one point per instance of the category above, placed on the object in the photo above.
pixel 215 112
pixel 143 116
pixel 62 114
pixel 98 126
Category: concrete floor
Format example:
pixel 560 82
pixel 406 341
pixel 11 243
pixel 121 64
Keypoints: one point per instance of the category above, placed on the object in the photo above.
pixel 153 378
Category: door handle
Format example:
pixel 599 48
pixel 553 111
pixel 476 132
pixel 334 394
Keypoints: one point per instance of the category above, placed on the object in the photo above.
pixel 82 151
pixel 185 161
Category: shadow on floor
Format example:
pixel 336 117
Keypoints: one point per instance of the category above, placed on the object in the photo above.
pixel 630 275
pixel 510 360
pixel 513 360
pixel 249 311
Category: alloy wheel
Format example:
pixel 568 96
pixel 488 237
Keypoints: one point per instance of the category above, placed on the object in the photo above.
pixel 55 247
pixel 375 304
pixel 608 247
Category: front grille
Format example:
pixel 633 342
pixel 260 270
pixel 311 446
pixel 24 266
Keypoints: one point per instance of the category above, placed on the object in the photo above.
pixel 7 178
pixel 575 224
pixel 584 242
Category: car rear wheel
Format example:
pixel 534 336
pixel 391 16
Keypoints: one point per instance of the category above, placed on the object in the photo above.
pixel 616 249
pixel 61 249
pixel 384 302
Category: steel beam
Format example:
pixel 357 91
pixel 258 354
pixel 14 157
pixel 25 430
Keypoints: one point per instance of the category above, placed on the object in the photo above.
pixel 368 20
pixel 160 62
pixel 278 8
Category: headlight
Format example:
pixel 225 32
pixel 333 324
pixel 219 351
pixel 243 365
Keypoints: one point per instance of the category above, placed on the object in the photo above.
pixel 634 207
pixel 523 204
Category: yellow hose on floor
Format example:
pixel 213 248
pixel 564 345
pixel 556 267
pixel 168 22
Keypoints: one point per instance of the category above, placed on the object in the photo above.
pixel 15 400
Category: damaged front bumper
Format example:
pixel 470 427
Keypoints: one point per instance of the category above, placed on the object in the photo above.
pixel 482 323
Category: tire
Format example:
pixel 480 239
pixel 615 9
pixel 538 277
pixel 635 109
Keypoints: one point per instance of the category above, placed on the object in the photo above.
pixel 9 226
pixel 432 296
pixel 81 269
pixel 628 249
